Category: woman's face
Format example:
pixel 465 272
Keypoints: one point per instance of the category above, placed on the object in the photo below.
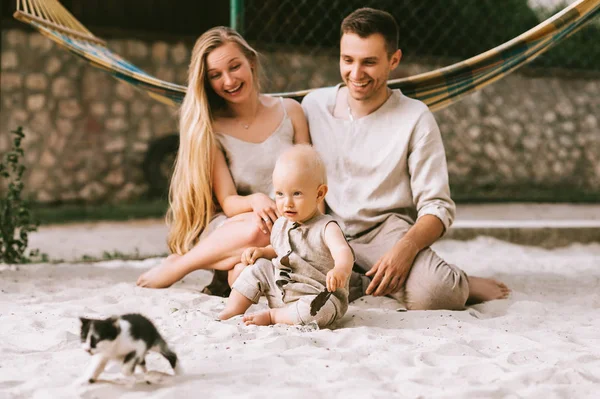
pixel 229 73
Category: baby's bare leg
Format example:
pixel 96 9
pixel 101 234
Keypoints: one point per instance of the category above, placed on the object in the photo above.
pixel 236 304
pixel 221 250
pixel 234 273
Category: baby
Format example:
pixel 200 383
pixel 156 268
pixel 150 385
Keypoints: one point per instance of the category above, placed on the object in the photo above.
pixel 308 250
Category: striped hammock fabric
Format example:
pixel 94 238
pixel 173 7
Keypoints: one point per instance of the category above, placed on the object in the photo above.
pixel 437 89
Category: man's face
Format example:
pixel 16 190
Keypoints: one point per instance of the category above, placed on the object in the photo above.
pixel 365 65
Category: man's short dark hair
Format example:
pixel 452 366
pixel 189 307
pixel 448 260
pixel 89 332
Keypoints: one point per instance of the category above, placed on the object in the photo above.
pixel 367 21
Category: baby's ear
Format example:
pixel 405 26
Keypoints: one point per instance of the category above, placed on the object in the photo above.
pixel 322 191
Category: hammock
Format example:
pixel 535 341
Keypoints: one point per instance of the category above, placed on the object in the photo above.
pixel 437 89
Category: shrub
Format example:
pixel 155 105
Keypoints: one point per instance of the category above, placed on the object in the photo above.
pixel 15 216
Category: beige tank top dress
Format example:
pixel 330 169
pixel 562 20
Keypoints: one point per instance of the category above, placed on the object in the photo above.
pixel 251 164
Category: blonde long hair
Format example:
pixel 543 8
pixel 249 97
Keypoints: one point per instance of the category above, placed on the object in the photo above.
pixel 191 202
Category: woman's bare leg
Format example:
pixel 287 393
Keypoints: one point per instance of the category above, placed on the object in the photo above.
pixel 221 250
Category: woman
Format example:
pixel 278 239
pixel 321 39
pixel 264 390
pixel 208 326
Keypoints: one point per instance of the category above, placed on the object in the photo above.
pixel 230 138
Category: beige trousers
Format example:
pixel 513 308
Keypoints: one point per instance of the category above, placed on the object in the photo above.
pixel 431 284
pixel 259 279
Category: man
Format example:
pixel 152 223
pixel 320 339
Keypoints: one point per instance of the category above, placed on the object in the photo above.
pixel 387 167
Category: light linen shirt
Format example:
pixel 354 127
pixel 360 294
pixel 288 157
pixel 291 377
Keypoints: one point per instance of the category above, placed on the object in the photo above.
pixel 391 161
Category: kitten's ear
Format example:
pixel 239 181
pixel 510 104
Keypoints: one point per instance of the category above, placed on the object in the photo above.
pixel 84 321
pixel 114 320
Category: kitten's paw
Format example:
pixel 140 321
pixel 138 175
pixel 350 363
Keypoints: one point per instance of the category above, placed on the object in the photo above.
pixel 84 381
pixel 131 381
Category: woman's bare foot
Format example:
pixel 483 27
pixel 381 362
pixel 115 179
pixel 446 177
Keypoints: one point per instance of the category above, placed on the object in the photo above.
pixel 161 276
pixel 486 289
pixel 258 319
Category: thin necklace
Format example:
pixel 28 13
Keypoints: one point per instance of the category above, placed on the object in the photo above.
pixel 247 125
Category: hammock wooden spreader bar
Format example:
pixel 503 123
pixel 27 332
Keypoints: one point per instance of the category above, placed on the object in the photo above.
pixel 437 89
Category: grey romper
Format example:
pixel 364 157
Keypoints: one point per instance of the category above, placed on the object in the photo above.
pixel 388 169
pixel 251 164
pixel 295 282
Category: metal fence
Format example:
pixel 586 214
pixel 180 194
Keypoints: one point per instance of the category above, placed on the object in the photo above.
pixel 530 136
pixel 446 30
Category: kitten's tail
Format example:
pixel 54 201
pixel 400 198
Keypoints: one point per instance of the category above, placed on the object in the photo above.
pixel 169 355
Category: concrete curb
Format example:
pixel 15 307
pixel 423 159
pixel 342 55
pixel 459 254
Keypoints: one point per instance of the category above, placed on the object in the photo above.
pixel 545 237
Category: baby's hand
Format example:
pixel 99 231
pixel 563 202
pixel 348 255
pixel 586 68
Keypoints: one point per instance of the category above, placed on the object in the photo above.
pixel 250 255
pixel 336 278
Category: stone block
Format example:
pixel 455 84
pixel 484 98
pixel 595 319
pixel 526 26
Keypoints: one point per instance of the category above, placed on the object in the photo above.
pixel 16 38
pixel 180 54
pixel 125 91
pixel 63 87
pixel 160 52
pixel 36 82
pixel 39 43
pixel 53 65
pixel 69 109
pixel 11 81
pixel 10 60
pixel 36 102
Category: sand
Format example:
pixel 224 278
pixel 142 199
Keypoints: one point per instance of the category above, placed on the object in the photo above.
pixel 542 342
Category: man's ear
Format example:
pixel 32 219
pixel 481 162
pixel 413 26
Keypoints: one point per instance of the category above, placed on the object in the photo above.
pixel 322 191
pixel 395 59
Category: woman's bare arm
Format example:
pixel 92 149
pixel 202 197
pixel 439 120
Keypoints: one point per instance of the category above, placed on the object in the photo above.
pixel 296 114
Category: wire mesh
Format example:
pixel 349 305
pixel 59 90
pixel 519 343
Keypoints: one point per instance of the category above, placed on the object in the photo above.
pixel 445 31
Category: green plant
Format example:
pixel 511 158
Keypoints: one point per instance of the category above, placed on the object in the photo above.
pixel 15 216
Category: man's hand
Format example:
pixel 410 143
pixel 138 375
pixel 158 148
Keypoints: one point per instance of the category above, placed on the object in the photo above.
pixel 336 278
pixel 391 270
pixel 250 255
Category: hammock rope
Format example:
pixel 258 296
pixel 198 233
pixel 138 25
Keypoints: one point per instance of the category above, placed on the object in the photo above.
pixel 437 89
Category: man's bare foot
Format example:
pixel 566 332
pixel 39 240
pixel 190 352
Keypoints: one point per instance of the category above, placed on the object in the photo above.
pixel 161 276
pixel 486 289
pixel 258 319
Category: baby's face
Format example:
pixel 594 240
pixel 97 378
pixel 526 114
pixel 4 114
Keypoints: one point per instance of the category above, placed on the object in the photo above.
pixel 297 193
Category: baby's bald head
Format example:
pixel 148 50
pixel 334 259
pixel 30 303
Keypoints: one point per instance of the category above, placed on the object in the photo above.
pixel 300 183
pixel 302 160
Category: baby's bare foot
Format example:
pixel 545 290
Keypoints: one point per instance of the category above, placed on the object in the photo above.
pixel 227 314
pixel 486 289
pixel 161 276
pixel 258 319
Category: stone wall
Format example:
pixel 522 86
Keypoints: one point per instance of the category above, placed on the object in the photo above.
pixel 522 138
pixel 86 133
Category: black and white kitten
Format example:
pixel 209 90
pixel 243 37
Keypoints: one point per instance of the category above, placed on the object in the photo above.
pixel 126 339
